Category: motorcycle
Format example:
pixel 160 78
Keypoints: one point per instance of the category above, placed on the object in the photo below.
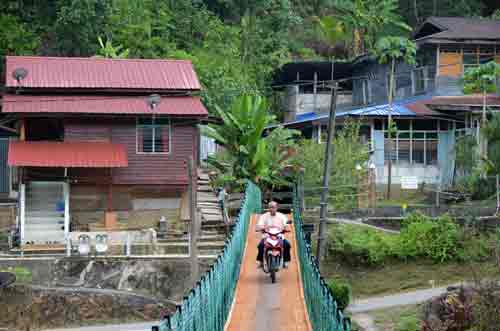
pixel 273 251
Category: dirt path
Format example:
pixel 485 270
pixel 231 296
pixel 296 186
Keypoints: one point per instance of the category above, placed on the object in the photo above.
pixel 260 305
pixel 388 301
pixel 351 222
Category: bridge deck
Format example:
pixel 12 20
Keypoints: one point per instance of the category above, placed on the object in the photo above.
pixel 261 305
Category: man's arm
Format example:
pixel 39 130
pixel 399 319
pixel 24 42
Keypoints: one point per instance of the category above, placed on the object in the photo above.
pixel 260 223
pixel 285 222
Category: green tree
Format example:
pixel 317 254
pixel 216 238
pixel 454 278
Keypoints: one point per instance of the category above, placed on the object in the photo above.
pixel 365 21
pixel 392 50
pixel 491 132
pixel 482 79
pixel 16 38
pixel 350 154
pixel 78 24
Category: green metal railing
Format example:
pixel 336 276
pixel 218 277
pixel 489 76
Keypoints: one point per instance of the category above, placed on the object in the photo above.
pixel 207 306
pixel 321 305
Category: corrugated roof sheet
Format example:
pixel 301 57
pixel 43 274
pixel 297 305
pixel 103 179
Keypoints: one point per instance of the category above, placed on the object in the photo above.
pixel 66 154
pixel 101 73
pixel 414 106
pixel 182 106
pixel 465 100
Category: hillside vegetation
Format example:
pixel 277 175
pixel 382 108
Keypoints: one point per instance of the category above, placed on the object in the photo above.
pixel 235 45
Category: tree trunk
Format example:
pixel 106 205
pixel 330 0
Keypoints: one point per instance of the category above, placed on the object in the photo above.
pixel 415 12
pixel 357 42
pixel 389 135
pixel 434 7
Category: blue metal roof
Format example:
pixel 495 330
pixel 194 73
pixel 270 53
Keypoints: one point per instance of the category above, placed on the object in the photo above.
pixel 398 109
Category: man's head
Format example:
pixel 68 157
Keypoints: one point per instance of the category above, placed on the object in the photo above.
pixel 273 207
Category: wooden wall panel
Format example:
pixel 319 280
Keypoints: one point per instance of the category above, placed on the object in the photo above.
pixel 160 168
pixel 86 131
pixel 146 169
pixel 450 64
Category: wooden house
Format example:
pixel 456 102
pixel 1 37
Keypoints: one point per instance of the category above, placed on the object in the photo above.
pixel 98 139
pixel 429 109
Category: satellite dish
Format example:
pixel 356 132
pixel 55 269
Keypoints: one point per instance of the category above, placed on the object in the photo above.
pixel 153 100
pixel 19 74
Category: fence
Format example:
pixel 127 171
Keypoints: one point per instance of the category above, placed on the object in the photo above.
pixel 321 305
pixel 207 306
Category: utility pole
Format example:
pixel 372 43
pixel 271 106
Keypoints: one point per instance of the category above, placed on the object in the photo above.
pixel 329 157
pixel 193 229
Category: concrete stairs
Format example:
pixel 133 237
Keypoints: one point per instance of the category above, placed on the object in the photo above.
pixel 208 206
pixel 43 223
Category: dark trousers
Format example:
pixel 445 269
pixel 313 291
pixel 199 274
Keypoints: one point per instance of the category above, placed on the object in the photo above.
pixel 286 251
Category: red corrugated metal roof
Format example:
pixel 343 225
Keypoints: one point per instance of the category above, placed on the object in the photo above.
pixel 465 100
pixel 67 154
pixel 184 106
pixel 420 108
pixel 99 73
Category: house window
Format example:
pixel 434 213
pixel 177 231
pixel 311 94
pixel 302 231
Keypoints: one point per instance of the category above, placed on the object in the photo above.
pixel 419 80
pixel 419 147
pixel 153 136
pixel 474 56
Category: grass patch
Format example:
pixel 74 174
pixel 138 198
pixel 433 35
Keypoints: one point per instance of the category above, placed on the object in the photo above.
pixel 23 275
pixel 398 276
pixel 404 318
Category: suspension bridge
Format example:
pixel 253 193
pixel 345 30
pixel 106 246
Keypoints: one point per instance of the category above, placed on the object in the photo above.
pixel 236 296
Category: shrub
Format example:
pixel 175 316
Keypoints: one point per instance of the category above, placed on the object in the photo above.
pixel 23 275
pixel 341 292
pixel 423 237
pixel 359 245
pixel 408 322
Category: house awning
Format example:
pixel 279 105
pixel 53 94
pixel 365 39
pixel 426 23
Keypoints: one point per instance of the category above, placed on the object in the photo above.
pixel 67 154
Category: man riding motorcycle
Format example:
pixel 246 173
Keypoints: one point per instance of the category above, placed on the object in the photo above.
pixel 275 219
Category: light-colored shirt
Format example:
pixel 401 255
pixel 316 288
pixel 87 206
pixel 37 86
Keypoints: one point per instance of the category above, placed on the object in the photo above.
pixel 267 220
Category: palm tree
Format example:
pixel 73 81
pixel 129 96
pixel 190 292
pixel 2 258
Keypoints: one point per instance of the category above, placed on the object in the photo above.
pixel 392 49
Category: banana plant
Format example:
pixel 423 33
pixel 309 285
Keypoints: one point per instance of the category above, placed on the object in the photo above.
pixel 241 134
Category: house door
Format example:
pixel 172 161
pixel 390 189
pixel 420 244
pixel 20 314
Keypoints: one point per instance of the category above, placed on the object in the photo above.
pixel 4 168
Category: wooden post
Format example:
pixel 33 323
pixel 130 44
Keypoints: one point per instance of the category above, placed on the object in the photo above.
pixel 302 200
pixel 498 192
pixel 437 193
pixel 22 193
pixel 66 209
pixel 193 234
pixel 315 92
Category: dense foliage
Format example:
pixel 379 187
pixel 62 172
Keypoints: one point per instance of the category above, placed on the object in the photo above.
pixel 421 237
pixel 342 293
pixel 235 45
pixel 349 167
pixel 247 153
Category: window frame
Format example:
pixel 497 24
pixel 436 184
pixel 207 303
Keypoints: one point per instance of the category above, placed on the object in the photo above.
pixel 153 127
pixel 411 139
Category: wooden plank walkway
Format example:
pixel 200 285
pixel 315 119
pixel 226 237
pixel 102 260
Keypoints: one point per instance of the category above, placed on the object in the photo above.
pixel 261 305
